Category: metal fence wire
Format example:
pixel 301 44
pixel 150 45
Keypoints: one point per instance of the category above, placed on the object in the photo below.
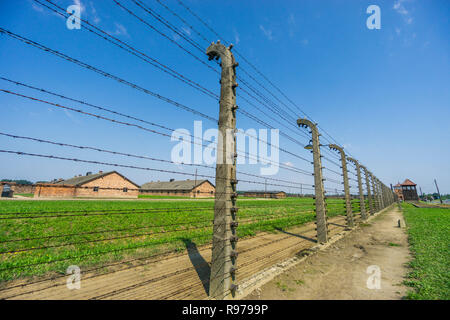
pixel 187 248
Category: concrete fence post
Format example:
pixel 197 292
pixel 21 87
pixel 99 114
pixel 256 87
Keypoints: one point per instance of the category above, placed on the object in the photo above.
pixel 379 198
pixel 321 213
pixel 375 194
pixel 362 203
pixel 369 193
pixel 389 193
pixel 377 185
pixel 348 202
pixel 380 194
pixel 390 196
pixel 223 261
pixel 385 196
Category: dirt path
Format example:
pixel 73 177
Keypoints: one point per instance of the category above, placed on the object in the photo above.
pixel 339 271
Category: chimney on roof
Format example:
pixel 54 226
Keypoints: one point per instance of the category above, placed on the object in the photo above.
pixel 88 173
pixel 172 180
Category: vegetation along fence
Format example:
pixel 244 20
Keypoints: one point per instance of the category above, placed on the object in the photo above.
pixel 40 239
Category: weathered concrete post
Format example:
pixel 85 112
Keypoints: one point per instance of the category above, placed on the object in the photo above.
pixel 380 194
pixel 223 263
pixel 321 213
pixel 385 195
pixel 375 193
pixel 377 186
pixel 392 196
pixel 369 194
pixel 348 201
pixel 362 203
pixel 389 193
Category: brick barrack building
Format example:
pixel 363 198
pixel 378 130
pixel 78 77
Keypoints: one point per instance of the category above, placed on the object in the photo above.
pixel 265 194
pixel 184 188
pixel 99 185
pixel 17 187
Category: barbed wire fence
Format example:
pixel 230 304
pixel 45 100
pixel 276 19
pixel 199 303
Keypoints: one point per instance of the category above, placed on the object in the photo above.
pixel 97 239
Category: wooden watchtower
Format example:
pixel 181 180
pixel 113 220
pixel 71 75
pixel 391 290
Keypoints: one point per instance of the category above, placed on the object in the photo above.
pixel 406 191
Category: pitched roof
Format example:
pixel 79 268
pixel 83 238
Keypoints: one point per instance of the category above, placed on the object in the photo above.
pixel 398 185
pixel 263 192
pixel 79 181
pixel 173 185
pixel 408 182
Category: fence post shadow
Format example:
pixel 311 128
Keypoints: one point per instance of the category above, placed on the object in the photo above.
pixel 201 266
pixel 296 235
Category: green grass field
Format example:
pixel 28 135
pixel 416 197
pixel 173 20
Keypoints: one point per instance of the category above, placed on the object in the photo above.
pixel 429 237
pixel 40 237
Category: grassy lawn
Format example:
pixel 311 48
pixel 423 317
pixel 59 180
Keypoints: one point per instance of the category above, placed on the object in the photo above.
pixel 429 237
pixel 41 237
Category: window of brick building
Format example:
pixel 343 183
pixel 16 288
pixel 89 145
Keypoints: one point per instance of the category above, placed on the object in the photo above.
pixel 125 189
pixel 95 189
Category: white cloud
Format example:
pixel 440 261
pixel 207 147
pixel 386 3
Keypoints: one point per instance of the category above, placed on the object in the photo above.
pixel 40 9
pixel 186 30
pixel 291 25
pixel 37 8
pixel 266 32
pixel 82 6
pixel 236 36
pixel 289 164
pixel 95 17
pixel 400 8
pixel 120 30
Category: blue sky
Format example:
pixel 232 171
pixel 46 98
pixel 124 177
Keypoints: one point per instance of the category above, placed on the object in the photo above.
pixel 384 94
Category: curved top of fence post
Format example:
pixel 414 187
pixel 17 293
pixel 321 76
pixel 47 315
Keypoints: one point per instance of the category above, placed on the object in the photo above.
pixel 364 168
pixel 303 122
pixel 353 160
pixel 337 148
pixel 218 50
